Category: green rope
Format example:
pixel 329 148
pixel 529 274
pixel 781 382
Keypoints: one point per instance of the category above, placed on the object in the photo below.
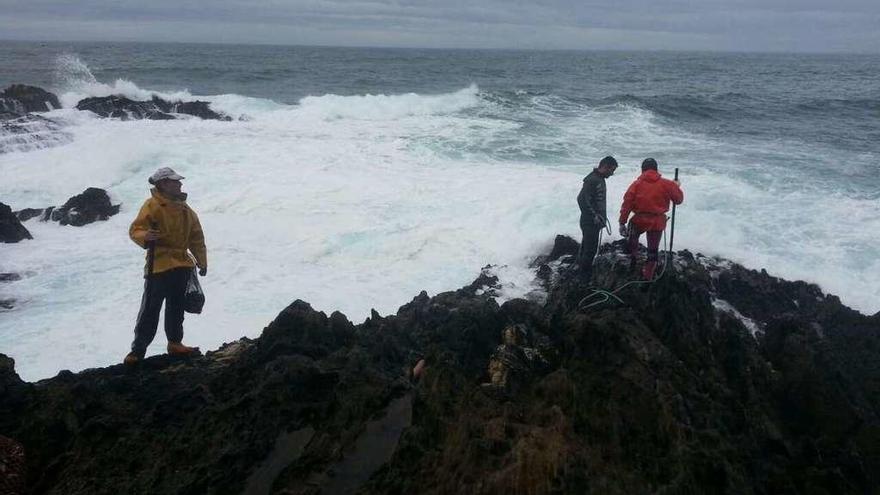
pixel 608 295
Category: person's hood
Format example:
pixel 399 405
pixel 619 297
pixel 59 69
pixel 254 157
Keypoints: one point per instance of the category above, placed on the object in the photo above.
pixel 595 171
pixel 181 198
pixel 650 176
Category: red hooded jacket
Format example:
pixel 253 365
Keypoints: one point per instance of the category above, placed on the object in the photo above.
pixel 648 197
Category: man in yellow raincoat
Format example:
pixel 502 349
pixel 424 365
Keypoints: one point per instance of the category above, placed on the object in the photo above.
pixel 166 220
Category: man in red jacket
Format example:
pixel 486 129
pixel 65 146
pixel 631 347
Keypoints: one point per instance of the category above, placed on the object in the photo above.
pixel 648 199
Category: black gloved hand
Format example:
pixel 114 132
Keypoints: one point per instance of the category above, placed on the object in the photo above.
pixel 624 232
pixel 203 271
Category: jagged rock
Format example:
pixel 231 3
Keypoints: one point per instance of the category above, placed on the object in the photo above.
pixel 12 388
pixel 21 130
pixel 485 283
pixel 123 108
pixel 120 107
pixel 9 277
pixel 662 390
pixel 563 246
pixel 19 99
pixel 11 229
pixel 28 213
pixel 90 206
pixel 199 109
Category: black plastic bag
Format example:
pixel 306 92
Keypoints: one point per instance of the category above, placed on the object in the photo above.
pixel 194 299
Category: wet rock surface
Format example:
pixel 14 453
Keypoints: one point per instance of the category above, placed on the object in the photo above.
pixel 19 99
pixel 28 213
pixel 123 108
pixel 22 130
pixel 666 389
pixel 11 229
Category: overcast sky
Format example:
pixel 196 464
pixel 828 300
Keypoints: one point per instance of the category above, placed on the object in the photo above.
pixel 738 25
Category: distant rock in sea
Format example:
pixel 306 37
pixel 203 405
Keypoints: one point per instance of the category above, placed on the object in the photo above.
pixel 28 213
pixel 21 99
pixel 116 106
pixel 90 206
pixel 22 130
pixel 11 229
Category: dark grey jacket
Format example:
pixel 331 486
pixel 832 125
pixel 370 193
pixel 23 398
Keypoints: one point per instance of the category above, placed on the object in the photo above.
pixel 591 200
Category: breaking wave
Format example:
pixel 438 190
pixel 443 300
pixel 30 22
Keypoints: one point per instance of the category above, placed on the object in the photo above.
pixel 75 81
pixel 360 201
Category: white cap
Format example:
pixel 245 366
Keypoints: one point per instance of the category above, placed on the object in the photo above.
pixel 164 173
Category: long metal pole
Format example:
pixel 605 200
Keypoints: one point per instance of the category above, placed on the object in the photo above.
pixel 672 231
pixel 151 258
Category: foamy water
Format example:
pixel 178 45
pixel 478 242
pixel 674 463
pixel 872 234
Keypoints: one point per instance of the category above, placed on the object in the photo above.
pixel 360 202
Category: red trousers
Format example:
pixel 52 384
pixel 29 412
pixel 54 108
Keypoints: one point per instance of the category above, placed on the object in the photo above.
pixel 653 236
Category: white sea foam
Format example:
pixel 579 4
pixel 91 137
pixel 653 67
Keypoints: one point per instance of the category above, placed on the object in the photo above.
pixel 386 107
pixel 30 132
pixel 360 202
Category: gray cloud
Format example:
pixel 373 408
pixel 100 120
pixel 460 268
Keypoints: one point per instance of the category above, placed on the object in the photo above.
pixel 747 25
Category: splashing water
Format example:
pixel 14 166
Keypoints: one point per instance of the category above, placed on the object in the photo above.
pixel 360 201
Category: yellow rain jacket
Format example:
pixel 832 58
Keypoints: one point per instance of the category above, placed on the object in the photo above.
pixel 179 228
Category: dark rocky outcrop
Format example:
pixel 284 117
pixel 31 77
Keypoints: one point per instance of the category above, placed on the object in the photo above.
pixel 689 385
pixel 11 229
pixel 28 213
pixel 90 206
pixel 200 109
pixel 120 107
pixel 20 99
pixel 21 130
pixel 563 246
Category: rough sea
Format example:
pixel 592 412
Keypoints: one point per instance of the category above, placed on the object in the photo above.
pixel 355 178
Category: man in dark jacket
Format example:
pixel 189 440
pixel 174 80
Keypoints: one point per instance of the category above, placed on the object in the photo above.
pixel 591 201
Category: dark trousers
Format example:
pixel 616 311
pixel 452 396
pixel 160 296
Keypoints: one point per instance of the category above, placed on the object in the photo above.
pixel 653 236
pixel 589 246
pixel 168 286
